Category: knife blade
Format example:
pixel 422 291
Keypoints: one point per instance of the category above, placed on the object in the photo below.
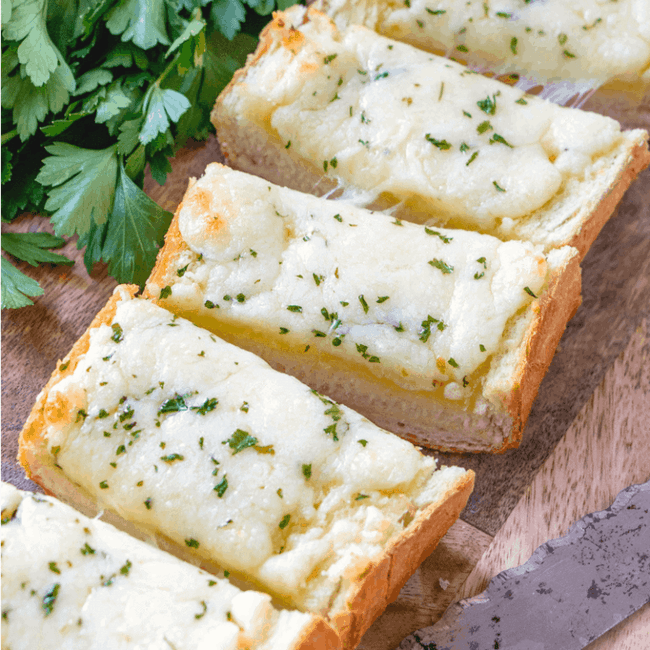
pixel 571 590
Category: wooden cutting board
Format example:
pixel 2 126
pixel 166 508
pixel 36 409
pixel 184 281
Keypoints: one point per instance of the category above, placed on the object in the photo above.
pixel 588 435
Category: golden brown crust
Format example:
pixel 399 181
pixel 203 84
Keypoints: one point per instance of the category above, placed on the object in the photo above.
pixel 553 310
pixel 637 160
pixel 173 246
pixel 31 437
pixel 318 636
pixel 380 585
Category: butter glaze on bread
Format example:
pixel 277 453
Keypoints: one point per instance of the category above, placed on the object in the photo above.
pixel 319 110
pixel 248 471
pixel 78 583
pixel 441 336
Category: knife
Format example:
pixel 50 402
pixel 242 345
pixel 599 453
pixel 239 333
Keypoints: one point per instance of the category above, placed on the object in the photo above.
pixel 571 590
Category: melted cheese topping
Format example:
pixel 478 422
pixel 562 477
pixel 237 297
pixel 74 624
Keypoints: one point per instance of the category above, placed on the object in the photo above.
pixel 78 583
pixel 185 434
pixel 423 307
pixel 579 40
pixel 416 128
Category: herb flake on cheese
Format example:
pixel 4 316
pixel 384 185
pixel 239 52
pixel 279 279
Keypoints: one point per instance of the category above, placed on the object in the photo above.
pixel 442 266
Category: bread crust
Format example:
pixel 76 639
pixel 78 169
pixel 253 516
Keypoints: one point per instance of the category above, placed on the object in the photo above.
pixel 369 594
pixel 274 162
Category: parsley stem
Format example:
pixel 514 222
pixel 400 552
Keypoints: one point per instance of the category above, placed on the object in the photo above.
pixel 6 137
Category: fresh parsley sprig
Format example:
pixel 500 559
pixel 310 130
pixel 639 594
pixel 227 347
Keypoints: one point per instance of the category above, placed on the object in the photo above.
pixel 92 93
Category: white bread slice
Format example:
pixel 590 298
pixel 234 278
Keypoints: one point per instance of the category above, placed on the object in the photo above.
pixel 548 41
pixel 229 463
pixel 319 110
pixel 78 583
pixel 442 336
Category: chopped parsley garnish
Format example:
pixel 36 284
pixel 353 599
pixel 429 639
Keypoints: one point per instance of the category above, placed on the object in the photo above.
pixel 209 405
pixel 462 48
pixel 170 458
pixel 329 58
pixel 452 362
pixel 442 90
pixel 473 157
pixel 521 101
pixel 441 265
pixel 209 304
pixel 120 450
pixel 435 233
pixel 504 14
pixel 483 127
pixel 339 218
pixel 103 485
pixel 364 119
pixel 513 44
pixel 397 222
pixel 64 366
pixel 498 187
pixel 147 503
pixel 466 114
pixel 286 146
pixel 482 260
pixel 319 334
pixel 227 297
pixel 399 328
pixel 425 332
pixel 244 407
pixel 221 487
pixel 318 278
pixel 488 105
pixel 102 414
pixel 500 139
pixel 205 609
pixel 359 497
pixel 441 144
pixel 568 55
pixel 464 147
pixel 562 38
pixel 81 415
pixel 383 299
pixel 49 599
pixel 283 330
pixel 295 308
pixel 241 297
pixel 54 568
pixel 124 570
pixel 285 522
pixel 381 75
pixel 87 550
pixel 436 12
pixel 306 470
pixel 241 440
pixel 279 493
pixel 173 405
pixel 192 543
pixel 118 333
pixel 481 347
pixel 529 292
pixel 364 304
pixel 365 143
pixel 363 443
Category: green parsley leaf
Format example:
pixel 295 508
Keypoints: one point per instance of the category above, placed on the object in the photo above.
pixel 285 522
pixel 84 186
pixel 227 15
pixel 16 286
pixel 483 127
pixel 32 247
pixel 49 599
pixel 529 292
pixel 306 470
pixel 240 440
pixel 140 21
pixel 442 266
pixel 192 543
pixel 445 240
pixel 441 144
pixel 364 304
pixel 170 458
pixel 134 232
pixel 221 487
